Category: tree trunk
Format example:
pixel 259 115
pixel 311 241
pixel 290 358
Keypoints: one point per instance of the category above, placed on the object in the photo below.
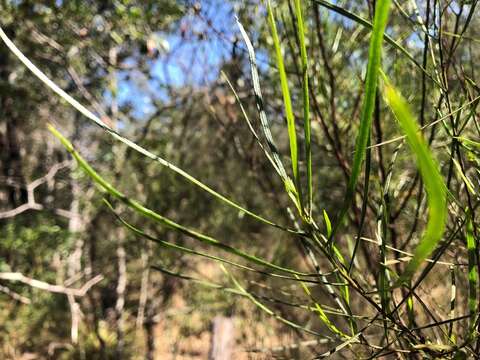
pixel 74 265
pixel 120 304
pixel 223 339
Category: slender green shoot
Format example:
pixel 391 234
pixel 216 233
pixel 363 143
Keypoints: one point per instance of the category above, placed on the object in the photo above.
pixel 186 250
pixel 263 307
pixel 374 61
pixel 91 116
pixel 292 135
pixel 306 105
pixel 148 213
pixel 328 224
pixel 321 314
pixel 432 179
pixel 472 272
pixel 287 181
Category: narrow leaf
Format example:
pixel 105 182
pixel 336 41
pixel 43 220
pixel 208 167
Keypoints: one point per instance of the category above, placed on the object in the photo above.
pixel 432 179
pixel 472 272
pixel 286 96
pixel 374 60
pixel 288 183
pixel 148 213
pixel 306 105
pixel 91 116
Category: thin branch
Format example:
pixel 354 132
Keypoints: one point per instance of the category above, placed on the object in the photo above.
pixel 59 289
pixel 31 203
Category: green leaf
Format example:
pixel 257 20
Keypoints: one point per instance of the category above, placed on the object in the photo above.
pixel 287 181
pixel 306 105
pixel 186 250
pixel 286 98
pixel 472 272
pixel 373 67
pixel 466 141
pixel 149 213
pixel 322 315
pixel 432 179
pixel 328 223
pixel 91 116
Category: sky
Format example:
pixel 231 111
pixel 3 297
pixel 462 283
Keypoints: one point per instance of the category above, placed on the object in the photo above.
pixel 190 55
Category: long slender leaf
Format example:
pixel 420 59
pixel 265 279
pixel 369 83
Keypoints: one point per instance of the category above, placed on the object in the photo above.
pixel 264 308
pixel 292 135
pixel 288 183
pixel 146 212
pixel 91 116
pixel 321 314
pixel 432 179
pixel 252 130
pixel 186 250
pixel 306 105
pixel 374 59
pixel 472 272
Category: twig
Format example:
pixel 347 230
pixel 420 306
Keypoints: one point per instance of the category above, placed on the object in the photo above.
pixel 60 289
pixel 31 203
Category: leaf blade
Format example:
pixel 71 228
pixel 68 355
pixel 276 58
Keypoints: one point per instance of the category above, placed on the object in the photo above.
pixel 432 179
pixel 306 105
pixel 374 59
pixel 292 135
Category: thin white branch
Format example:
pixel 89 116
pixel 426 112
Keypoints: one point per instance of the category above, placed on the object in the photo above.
pixel 31 204
pixel 75 311
pixel 49 175
pixel 20 209
pixel 14 295
pixel 16 276
pixel 66 213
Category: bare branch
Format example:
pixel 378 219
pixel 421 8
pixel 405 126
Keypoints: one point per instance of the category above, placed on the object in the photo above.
pixel 60 289
pixel 20 209
pixel 31 204
pixel 15 295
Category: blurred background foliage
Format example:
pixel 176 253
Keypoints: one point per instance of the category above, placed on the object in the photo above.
pixel 151 70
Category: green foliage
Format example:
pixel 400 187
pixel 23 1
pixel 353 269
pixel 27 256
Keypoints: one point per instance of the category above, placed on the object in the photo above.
pixel 28 245
pixel 292 135
pixel 221 219
pixel 430 172
pixel 373 68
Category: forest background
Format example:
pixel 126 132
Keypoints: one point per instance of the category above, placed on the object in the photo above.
pixel 84 273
